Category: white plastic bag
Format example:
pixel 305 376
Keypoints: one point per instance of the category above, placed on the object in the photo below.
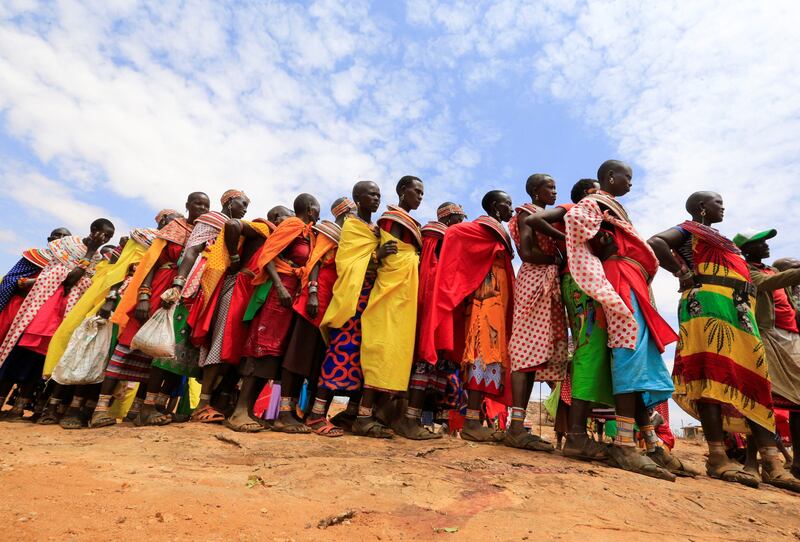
pixel 84 359
pixel 156 338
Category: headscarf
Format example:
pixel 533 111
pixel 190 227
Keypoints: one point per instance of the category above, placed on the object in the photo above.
pixel 346 206
pixel 165 213
pixel 232 194
pixel 452 209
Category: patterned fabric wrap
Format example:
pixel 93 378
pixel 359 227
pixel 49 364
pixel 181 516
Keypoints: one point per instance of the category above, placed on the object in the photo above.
pixel 66 251
pixel 22 269
pixel 539 330
pixel 341 367
pixel 720 357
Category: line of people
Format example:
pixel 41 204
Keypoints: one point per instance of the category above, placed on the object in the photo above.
pixel 388 312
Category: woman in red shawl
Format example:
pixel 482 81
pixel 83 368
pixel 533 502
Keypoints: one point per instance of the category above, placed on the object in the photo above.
pixel 472 295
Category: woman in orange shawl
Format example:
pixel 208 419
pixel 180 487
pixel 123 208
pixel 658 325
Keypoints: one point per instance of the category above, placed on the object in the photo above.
pixel 282 261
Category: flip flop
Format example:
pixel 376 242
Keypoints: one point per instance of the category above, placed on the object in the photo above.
pixel 155 418
pixel 324 428
pixel 527 441
pixel 291 428
pixel 207 414
pixel 102 419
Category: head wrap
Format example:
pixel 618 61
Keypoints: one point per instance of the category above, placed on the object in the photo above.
pixel 346 206
pixel 452 209
pixel 232 194
pixel 164 213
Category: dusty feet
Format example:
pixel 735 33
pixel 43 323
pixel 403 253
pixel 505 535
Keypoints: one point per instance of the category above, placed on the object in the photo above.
pixel 323 427
pixel 71 419
pixel 101 418
pixel 526 441
pixel 370 427
pixel 477 432
pixel 629 459
pixel 775 474
pixel 286 422
pixel 721 468
pixel 664 459
pixel 150 415
pixel 412 428
pixel 241 421
pixel 580 446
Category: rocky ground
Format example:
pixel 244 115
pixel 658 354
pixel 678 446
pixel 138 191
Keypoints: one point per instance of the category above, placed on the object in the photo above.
pixel 204 482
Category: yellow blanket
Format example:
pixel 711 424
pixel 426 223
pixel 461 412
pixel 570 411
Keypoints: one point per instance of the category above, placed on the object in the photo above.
pixel 356 245
pixel 390 321
pixel 106 276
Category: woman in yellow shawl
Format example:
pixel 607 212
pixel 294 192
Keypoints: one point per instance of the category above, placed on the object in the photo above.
pixel 389 322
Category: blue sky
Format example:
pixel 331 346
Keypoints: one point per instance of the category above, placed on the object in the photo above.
pixel 120 108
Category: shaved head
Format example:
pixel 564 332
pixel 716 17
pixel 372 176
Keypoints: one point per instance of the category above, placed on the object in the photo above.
pixel 695 200
pixel 361 186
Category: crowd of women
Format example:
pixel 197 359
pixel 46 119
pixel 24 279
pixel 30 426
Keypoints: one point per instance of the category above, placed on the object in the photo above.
pixel 376 308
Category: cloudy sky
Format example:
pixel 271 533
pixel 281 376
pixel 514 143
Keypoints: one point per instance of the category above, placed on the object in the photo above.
pixel 119 108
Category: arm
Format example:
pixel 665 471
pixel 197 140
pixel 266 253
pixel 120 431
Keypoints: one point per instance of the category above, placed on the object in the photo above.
pixel 190 256
pixel 663 244
pixel 312 305
pixel 529 249
pixel 232 233
pixel 284 297
pixel 94 242
pixel 784 279
pixel 107 308
pixel 142 310
pixel 543 222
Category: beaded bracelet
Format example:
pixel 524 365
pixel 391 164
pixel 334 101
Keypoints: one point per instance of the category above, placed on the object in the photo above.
pixel 312 284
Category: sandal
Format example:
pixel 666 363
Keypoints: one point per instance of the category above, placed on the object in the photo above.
pixel 527 441
pixel 72 419
pixel 774 474
pixel 664 459
pixel 251 426
pixel 344 420
pixel 207 414
pixel 732 472
pixel 417 431
pixel 154 418
pixel 298 428
pixel 324 428
pixel 589 450
pixel 484 434
pixel 102 419
pixel 48 417
pixel 631 460
pixel 370 427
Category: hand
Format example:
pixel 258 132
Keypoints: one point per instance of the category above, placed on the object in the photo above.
pixel 686 283
pixel 390 247
pixel 284 297
pixel 312 305
pixel 25 284
pixel 235 267
pixel 142 311
pixel 123 241
pixel 96 240
pixel 169 297
pixel 106 309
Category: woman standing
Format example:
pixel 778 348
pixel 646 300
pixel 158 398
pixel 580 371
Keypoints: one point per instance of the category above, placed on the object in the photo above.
pixel 720 371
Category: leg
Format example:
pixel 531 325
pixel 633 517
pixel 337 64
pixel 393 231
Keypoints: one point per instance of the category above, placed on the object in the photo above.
pixel 318 419
pixel 241 419
pixel 578 445
pixel 150 415
pixel 410 424
pixel 773 471
pixel 474 429
pixel 287 421
pixel 516 436
pixel 719 465
pixel 366 425
pixel 100 416
pixel 623 453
